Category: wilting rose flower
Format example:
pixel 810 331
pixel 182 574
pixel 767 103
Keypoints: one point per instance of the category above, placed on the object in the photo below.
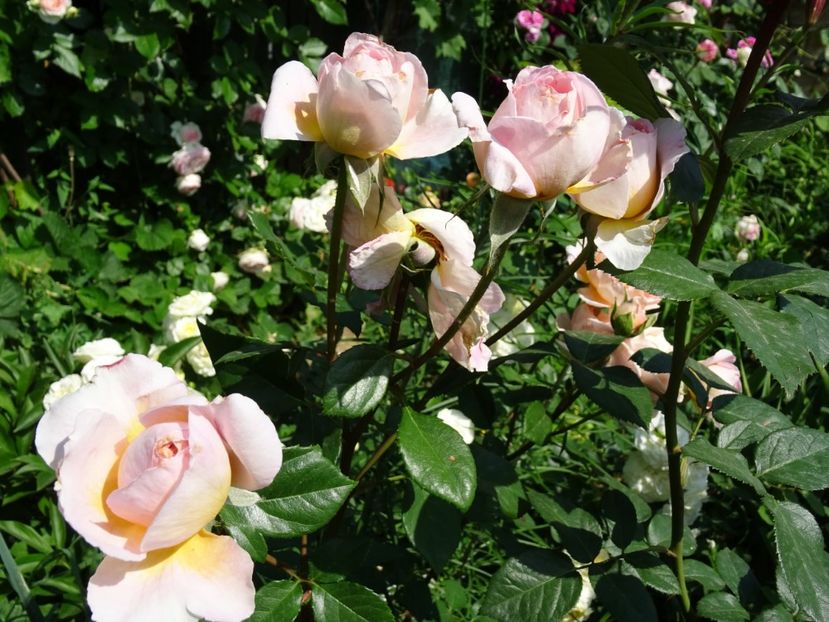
pixel 52 11
pixel 532 22
pixel 722 364
pixel 254 261
pixel 191 158
pixel 371 100
pixel 198 240
pixel 459 422
pixel 60 388
pixel 707 51
pixel 748 228
pixel 255 112
pixel 681 13
pixel 188 185
pixel 547 135
pixel 743 51
pixel 195 303
pixel 185 133
pixel 220 279
pixel 98 348
pixel 625 236
pixel 144 464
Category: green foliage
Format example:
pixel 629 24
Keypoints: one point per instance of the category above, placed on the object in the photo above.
pixel 668 275
pixel 357 381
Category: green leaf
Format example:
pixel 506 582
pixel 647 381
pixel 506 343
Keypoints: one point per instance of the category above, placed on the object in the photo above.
pixel 428 14
pixel 659 534
pixel 729 462
pixel 505 218
pixel 497 477
pixel 626 598
pixel 620 513
pixel 748 420
pixel 537 586
pixel 668 275
pixel 362 176
pixel 172 354
pixel 721 607
pixel 687 182
pixel 348 602
pixel 775 614
pixel 654 572
pixel 306 493
pixel 774 337
pixel 433 527
pixel 618 390
pixel 579 532
pixel 154 237
pixel 620 76
pixel 536 424
pixel 589 347
pixel 814 322
pixel 332 11
pixel 438 459
pixel 357 381
pixel 12 298
pixel 737 575
pixel 278 601
pixel 67 60
pixel 148 45
pixel 703 574
pixel 767 278
pixel 795 456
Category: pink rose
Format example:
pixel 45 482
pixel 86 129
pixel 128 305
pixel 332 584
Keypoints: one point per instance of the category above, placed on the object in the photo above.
pixel 191 158
pixel 188 185
pixel 547 135
pixel 255 112
pixel 52 11
pixel 532 22
pixel 144 464
pixel 748 228
pixel 651 337
pixel 743 51
pixel 706 4
pixel 625 237
pixel 371 100
pixel 722 364
pixel 707 51
pixel 681 13
pixel 184 133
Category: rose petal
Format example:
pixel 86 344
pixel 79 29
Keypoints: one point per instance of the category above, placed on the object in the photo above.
pixel 207 576
pixel 373 264
pixel 626 243
pixel 375 219
pixel 291 111
pixel 454 234
pixel 670 147
pixel 433 131
pixel 251 438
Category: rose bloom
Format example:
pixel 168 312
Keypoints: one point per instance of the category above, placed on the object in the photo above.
pixel 191 158
pixel 52 11
pixel 60 388
pixel 185 133
pixel 626 236
pixel 707 51
pixel 193 304
pixel 722 364
pixel 459 422
pixel 144 464
pixel 681 13
pixel 532 22
pixel 97 349
pixel 188 185
pixel 547 135
pixel 748 228
pixel 255 112
pixel 254 261
pixel 743 51
pixel 220 279
pixel 706 4
pixel 198 240
pixel 371 100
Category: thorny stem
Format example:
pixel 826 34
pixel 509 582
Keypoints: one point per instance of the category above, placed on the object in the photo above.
pixel 333 262
pixel 772 20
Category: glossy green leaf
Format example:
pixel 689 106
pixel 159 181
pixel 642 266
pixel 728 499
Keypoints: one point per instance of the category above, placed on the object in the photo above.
pixel 278 601
pixel 626 598
pixel 148 45
pixel 357 381
pixel 332 11
pixel 589 347
pixel 620 513
pixel 497 477
pixel 654 572
pixel 768 278
pixel 438 459
pixel 748 420
pixel 814 322
pixel 348 602
pixel 738 576
pixel 579 532
pixel 796 457
pixel 11 297
pixel 721 607
pixel 703 574
pixel 173 353
pixel 433 527
pixel 731 463
pixel 668 275
pixel 537 586
pixel 761 127
pixel 616 389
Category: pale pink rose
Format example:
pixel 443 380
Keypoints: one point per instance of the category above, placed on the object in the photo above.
pixel 626 236
pixel 184 133
pixel 371 100
pixel 255 111
pixel 743 51
pixel 144 464
pixel 651 337
pixel 707 51
pixel 547 135
pixel 681 13
pixel 52 11
pixel 587 318
pixel 722 364
pixel 748 228
pixel 254 261
pixel 706 4
pixel 532 22
pixel 191 158
pixel 188 185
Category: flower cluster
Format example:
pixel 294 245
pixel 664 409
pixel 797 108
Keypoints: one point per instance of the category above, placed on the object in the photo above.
pixel 182 322
pixel 743 51
pixel 92 354
pixel 531 21
pixel 309 213
pixel 191 157
pixel 144 464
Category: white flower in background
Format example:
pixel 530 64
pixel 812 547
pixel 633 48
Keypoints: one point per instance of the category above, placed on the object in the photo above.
pixel 184 133
pixel 254 261
pixel 260 163
pixel 188 185
pixel 155 351
pixel 98 348
pixel 661 85
pixel 198 240
pixel 696 491
pixel 199 360
pixel 240 210
pixel 748 228
pixel 582 609
pixel 459 422
pixel 91 368
pixel 52 11
pixel 191 158
pixel 309 214
pixel 255 112
pixel 60 388
pixel 220 279
pixel 743 256
pixel 681 13
pixel 196 304
pixel 651 444
pixel 650 483
pixel 520 337
pixel 186 327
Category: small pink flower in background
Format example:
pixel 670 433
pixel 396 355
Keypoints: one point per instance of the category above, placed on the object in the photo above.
pixel 722 364
pixel 371 100
pixel 184 133
pixel 681 13
pixel 558 8
pixel 532 22
pixel 748 228
pixel 52 11
pixel 191 158
pixel 743 51
pixel 255 112
pixel 707 50
pixel 660 83
pixel 706 4
pixel 144 464
pixel 188 185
